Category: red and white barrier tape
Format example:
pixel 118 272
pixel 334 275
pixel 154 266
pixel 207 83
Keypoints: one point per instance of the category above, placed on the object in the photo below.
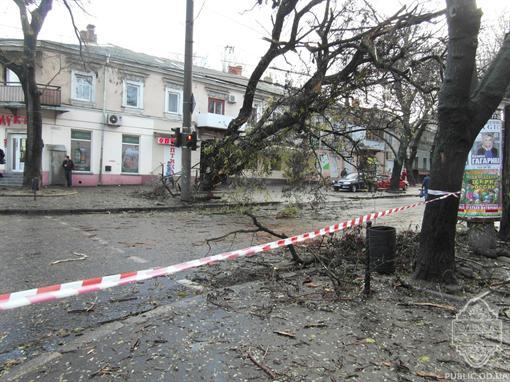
pixel 58 291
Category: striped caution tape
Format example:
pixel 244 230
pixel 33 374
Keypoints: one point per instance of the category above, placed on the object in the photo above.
pixel 58 291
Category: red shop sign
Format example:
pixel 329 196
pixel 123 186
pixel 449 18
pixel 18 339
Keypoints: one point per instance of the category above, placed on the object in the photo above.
pixel 9 119
pixel 165 141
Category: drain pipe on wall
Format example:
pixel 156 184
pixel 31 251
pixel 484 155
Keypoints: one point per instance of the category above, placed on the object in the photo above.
pixel 105 116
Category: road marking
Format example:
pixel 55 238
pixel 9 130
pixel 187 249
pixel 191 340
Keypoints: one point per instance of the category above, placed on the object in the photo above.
pixel 137 259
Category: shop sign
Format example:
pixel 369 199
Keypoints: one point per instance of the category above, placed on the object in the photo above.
pixel 165 141
pixel 10 119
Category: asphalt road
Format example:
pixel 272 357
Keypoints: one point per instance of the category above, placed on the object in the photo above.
pixel 42 250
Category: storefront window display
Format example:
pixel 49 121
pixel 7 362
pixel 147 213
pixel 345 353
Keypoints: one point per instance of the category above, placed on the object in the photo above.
pixel 130 153
pixel 80 149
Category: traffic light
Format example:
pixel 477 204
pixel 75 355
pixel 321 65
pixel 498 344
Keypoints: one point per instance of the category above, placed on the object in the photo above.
pixel 178 137
pixel 190 140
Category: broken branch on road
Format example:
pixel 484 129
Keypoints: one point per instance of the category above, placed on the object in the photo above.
pixel 80 256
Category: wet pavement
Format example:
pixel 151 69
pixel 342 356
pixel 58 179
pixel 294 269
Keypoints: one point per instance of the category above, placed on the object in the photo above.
pixel 112 198
pixel 189 334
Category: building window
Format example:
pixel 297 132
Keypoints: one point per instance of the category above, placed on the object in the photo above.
pixel 424 163
pixel 216 106
pixel 11 78
pixel 133 94
pixel 256 113
pixel 130 153
pixel 80 149
pixel 83 86
pixel 173 101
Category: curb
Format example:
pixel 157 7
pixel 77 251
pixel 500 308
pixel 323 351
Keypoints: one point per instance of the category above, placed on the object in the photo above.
pixel 31 195
pixel 79 211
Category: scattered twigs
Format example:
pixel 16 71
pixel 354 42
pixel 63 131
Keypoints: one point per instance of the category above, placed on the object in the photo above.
pixel 315 325
pixel 264 368
pixel 449 308
pixel 84 310
pixel 501 283
pixel 81 256
pixel 262 228
pixel 219 238
pixel 284 334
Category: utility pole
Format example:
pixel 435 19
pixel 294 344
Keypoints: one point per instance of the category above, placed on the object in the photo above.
pixel 187 104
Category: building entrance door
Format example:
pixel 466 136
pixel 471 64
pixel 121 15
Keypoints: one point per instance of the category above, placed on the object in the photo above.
pixel 18 150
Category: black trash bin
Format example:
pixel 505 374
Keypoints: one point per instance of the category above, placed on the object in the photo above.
pixel 381 246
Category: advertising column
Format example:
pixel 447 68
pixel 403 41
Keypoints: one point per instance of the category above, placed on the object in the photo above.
pixel 481 189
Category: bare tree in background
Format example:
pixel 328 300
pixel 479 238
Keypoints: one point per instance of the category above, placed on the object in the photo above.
pixel 32 15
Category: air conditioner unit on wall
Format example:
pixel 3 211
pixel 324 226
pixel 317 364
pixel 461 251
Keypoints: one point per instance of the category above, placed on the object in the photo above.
pixel 113 120
pixel 231 98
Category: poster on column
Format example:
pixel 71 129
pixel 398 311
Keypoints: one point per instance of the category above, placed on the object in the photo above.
pixel 481 187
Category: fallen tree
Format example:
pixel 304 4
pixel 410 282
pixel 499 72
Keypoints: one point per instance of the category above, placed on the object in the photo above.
pixel 353 50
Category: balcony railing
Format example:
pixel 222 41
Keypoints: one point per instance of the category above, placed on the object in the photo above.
pixel 13 92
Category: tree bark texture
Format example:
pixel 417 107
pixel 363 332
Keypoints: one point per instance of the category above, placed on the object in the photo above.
pixel 33 162
pixel 504 228
pixel 436 257
pixel 464 107
pixel 397 165
pixel 26 71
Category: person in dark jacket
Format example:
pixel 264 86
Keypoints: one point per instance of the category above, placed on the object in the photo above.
pixel 425 187
pixel 2 160
pixel 68 170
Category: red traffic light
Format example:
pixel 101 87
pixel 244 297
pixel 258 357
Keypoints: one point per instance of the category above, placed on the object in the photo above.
pixel 190 140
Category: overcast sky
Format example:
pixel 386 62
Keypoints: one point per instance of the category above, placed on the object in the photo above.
pixel 157 26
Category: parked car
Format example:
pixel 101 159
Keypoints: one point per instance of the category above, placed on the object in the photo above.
pixel 384 181
pixel 352 182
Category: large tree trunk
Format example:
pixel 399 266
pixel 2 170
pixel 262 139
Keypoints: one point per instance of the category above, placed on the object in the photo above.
pixel 504 230
pixel 31 27
pixel 436 257
pixel 465 105
pixel 397 165
pixel 33 162
pixel 409 168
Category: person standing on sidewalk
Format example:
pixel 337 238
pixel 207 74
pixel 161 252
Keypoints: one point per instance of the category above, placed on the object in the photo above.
pixel 2 160
pixel 425 187
pixel 68 170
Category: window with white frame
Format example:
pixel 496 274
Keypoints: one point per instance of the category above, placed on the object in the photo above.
pixel 173 101
pixel 133 94
pixel 83 86
pixel 130 153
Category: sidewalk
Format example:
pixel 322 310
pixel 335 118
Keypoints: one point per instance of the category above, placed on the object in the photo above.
pixel 59 200
pixel 286 328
